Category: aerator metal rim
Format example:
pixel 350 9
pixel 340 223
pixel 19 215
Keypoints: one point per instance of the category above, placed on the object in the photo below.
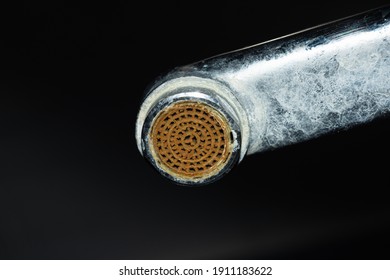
pixel 192 96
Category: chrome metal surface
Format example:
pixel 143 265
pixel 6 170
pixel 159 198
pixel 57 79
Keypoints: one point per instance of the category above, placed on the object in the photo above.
pixel 293 88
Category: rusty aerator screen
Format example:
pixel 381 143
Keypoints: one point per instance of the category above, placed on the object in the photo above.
pixel 190 140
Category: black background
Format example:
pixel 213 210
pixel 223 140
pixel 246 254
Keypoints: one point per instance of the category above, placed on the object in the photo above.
pixel 73 185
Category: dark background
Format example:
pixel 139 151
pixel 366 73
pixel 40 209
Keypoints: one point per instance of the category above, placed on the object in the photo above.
pixel 73 185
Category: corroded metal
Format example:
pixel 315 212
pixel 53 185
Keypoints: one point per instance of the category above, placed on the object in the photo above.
pixel 287 90
pixel 190 140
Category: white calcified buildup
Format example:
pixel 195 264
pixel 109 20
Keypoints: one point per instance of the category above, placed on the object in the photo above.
pixel 309 92
pixel 294 88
